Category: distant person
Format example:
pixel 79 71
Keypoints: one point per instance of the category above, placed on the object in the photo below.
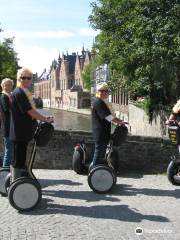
pixel 175 113
pixel 24 115
pixel 5 108
pixel 101 123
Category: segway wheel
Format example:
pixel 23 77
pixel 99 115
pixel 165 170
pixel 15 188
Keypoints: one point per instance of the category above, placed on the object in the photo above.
pixel 101 179
pixel 3 174
pixel 24 194
pixel 77 162
pixel 172 173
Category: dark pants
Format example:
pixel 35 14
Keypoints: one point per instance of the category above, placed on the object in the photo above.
pixel 8 150
pixel 99 153
pixel 19 152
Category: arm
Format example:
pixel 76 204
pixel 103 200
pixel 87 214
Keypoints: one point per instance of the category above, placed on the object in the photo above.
pixel 104 113
pixel 171 118
pixel 116 120
pixel 5 103
pixel 34 114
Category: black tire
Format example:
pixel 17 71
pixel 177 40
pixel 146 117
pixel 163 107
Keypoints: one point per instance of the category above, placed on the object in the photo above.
pixel 24 194
pixel 7 181
pixel 172 170
pixel 101 179
pixel 3 174
pixel 77 164
pixel 115 177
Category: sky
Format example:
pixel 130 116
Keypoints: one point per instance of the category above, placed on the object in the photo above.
pixel 43 29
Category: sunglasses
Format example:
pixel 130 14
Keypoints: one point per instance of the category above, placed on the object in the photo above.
pixel 26 78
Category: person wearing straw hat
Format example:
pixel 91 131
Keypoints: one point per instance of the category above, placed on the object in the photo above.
pixel 101 123
pixel 175 113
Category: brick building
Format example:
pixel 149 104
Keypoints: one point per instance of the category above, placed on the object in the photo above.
pixel 62 86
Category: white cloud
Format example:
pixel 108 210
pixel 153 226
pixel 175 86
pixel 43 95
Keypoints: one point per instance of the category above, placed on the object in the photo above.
pixel 38 58
pixel 39 34
pixel 88 32
pixel 34 57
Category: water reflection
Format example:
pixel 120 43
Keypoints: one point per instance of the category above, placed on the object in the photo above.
pixel 69 120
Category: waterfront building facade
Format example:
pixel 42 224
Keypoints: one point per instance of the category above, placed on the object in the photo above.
pixel 62 86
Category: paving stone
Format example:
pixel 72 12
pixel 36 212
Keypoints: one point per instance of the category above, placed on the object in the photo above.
pixel 70 210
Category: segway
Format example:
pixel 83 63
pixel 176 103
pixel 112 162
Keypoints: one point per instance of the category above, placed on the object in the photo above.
pixel 79 164
pixel 102 178
pixel 173 169
pixel 25 192
pixel 81 158
pixel 4 173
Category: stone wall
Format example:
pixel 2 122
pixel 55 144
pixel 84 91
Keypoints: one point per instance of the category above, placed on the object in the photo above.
pixel 58 153
pixel 139 123
pixel 146 154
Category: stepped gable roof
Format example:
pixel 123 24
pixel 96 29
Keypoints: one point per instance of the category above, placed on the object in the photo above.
pixel 71 59
pixel 84 55
pixel 54 64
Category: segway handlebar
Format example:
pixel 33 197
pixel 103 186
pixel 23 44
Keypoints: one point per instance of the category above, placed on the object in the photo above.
pixel 172 123
pixel 122 123
pixel 49 119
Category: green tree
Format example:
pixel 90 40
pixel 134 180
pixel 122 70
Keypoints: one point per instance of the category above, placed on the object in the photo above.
pixel 89 71
pixel 86 75
pixel 8 59
pixel 140 40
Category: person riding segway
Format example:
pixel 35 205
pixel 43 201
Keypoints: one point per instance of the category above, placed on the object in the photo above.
pixel 101 177
pixel 173 169
pixel 22 127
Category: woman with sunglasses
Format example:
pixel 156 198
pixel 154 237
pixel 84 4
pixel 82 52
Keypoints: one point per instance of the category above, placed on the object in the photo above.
pixel 24 115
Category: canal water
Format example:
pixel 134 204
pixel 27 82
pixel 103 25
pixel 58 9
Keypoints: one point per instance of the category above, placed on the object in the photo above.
pixel 69 120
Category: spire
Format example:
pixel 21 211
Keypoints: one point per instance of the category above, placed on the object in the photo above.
pixel 83 51
pixel 59 58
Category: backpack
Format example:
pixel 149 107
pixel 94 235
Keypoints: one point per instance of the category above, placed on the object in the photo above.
pixel 120 135
pixel 43 134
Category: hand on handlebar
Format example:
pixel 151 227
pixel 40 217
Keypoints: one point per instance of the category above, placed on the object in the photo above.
pixel 49 119
pixel 167 122
pixel 121 122
pixel 172 121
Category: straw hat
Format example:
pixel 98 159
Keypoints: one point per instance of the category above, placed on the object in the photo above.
pixel 102 86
